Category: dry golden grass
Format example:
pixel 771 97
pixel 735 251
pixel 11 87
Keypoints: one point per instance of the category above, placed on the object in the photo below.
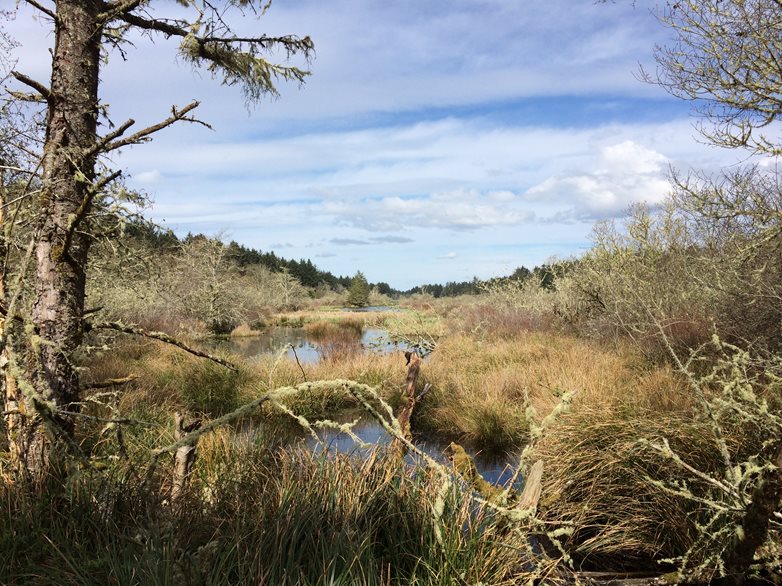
pixel 480 387
pixel 331 314
pixel 242 330
pixel 481 382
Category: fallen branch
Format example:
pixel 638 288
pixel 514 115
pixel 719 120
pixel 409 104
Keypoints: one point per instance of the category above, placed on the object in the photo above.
pixel 275 395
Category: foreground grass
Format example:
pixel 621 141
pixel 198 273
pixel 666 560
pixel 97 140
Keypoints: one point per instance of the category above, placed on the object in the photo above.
pixel 253 516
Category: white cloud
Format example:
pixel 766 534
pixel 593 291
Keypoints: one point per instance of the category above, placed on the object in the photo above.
pixel 624 173
pixel 435 120
pixel 452 210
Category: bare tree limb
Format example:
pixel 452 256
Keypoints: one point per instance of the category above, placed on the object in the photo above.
pixel 101 144
pixel 173 30
pixel 120 327
pixel 36 85
pixel 142 135
pixel 117 9
pixel 43 9
pixel 109 383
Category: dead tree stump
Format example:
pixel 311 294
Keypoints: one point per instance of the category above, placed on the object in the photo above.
pixel 185 456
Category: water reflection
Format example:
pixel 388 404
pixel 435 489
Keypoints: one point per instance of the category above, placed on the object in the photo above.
pixel 497 469
pixel 275 340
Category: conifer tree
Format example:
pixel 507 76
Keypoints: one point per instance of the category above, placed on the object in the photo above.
pixel 358 294
pixel 75 176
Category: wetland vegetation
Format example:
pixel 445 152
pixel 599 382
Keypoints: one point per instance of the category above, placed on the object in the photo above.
pixel 181 410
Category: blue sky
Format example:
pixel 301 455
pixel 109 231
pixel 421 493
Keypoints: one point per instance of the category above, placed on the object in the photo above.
pixel 434 141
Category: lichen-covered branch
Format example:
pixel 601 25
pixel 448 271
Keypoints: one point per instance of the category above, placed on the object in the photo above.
pixel 163 337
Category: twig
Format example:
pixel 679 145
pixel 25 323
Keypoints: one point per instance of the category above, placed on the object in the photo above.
pixel 296 356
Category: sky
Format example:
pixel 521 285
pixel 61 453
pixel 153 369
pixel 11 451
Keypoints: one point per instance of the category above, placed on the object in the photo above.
pixel 434 141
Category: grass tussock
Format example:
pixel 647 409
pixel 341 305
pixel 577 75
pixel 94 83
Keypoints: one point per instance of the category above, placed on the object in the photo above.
pixel 169 379
pixel 323 329
pixel 598 479
pixel 254 516
pixel 336 340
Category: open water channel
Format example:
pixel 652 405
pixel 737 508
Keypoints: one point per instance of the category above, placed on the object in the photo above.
pixel 496 469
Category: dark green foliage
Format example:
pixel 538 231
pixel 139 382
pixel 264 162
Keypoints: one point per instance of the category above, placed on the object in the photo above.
pixel 304 270
pixel 204 387
pixel 211 389
pixel 358 295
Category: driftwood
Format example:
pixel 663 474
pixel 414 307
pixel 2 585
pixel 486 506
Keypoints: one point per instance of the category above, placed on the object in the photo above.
pixel 623 579
pixel 185 455
pixel 464 465
pixel 532 487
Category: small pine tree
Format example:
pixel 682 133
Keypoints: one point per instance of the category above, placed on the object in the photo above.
pixel 358 294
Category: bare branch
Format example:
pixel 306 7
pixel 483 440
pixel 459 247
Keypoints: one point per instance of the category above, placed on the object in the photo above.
pixel 120 327
pixel 43 9
pixel 37 86
pixel 153 25
pixel 101 144
pixel 117 9
pixel 109 383
pixel 143 135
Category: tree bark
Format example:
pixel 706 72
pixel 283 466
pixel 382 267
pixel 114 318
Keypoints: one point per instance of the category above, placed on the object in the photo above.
pixel 185 456
pixel 61 252
pixel 405 414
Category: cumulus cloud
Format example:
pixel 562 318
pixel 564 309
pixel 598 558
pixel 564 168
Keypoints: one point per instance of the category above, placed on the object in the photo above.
pixel 624 173
pixel 452 210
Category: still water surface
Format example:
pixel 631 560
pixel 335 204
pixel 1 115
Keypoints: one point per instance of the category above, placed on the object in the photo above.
pixel 275 340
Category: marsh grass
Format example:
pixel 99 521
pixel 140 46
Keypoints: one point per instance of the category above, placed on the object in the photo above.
pixel 336 340
pixel 598 479
pixel 482 381
pixel 482 388
pixel 254 515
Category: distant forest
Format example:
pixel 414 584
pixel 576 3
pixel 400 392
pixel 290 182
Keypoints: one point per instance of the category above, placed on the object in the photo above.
pixel 309 275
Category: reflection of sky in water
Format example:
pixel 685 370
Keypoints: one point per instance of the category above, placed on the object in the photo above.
pixel 497 470
pixel 275 340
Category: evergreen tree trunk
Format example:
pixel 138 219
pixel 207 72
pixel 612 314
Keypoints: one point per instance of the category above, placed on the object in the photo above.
pixel 61 252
